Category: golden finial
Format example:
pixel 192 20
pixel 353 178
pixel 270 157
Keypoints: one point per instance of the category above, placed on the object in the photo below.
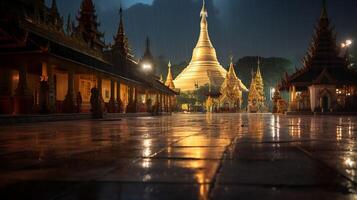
pixel 204 10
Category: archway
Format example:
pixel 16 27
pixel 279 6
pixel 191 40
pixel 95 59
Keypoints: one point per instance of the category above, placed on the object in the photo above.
pixel 324 105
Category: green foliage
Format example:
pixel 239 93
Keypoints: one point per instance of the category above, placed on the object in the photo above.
pixel 186 98
pixel 202 92
pixel 161 67
pixel 198 97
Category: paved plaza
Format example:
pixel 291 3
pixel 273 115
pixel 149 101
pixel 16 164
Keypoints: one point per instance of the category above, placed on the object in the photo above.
pixel 183 156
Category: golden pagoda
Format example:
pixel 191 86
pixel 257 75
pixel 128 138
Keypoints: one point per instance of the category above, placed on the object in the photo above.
pixel 204 67
pixel 169 80
pixel 256 97
pixel 231 91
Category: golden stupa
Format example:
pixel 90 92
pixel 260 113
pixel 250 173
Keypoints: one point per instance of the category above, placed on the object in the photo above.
pixel 204 67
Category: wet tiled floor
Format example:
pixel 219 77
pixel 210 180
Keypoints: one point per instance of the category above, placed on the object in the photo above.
pixel 183 156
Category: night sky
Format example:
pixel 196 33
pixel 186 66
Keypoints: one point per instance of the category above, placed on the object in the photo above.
pixel 269 28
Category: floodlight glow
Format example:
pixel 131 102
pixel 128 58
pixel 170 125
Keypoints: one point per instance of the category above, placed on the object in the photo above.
pixel 146 67
pixel 348 42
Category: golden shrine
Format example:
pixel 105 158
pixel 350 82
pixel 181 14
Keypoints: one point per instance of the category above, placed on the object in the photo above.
pixel 256 97
pixel 204 67
pixel 231 91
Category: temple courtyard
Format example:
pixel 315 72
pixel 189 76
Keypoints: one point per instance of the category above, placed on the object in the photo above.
pixel 183 156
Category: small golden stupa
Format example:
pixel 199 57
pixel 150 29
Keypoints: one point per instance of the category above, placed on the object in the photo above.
pixel 204 67
pixel 169 80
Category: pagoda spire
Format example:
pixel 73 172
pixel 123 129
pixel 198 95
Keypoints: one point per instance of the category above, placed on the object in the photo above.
pixel 148 58
pixel 169 80
pixel 204 12
pixel 324 13
pixel 54 17
pixel 121 42
pixel 147 54
pixel 258 74
pixel 120 33
pixel 69 27
pixel 88 26
pixel 323 50
pixel 231 71
pixel 204 39
pixel 54 6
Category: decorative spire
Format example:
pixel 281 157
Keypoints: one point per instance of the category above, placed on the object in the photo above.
pixel 323 50
pixel 121 42
pixel 258 69
pixel 147 54
pixel 120 34
pixel 169 80
pixel 69 28
pixel 204 39
pixel 54 6
pixel 147 44
pixel 204 12
pixel 231 67
pixel 324 14
pixel 88 26
pixel 148 58
pixel 54 17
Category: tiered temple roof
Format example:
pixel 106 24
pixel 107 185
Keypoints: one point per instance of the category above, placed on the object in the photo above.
pixel 88 26
pixel 232 82
pixel 28 30
pixel 322 59
pixel 121 42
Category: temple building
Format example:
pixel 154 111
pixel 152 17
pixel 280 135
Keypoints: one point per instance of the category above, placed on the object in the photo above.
pixel 204 68
pixel 45 68
pixel 231 91
pixel 256 96
pixel 325 82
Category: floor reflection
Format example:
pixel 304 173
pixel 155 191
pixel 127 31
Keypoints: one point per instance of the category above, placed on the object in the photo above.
pixel 179 151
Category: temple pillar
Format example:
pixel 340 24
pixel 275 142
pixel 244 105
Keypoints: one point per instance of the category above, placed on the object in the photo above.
pixel 170 104
pixel 292 102
pixel 69 105
pixel 147 101
pixel 6 106
pixel 23 99
pixel 44 90
pixel 165 103
pixel 118 98
pixel 100 89
pixel 160 102
pixel 51 90
pixel 131 108
pixel 112 103
pixel 136 102
pixel 157 104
